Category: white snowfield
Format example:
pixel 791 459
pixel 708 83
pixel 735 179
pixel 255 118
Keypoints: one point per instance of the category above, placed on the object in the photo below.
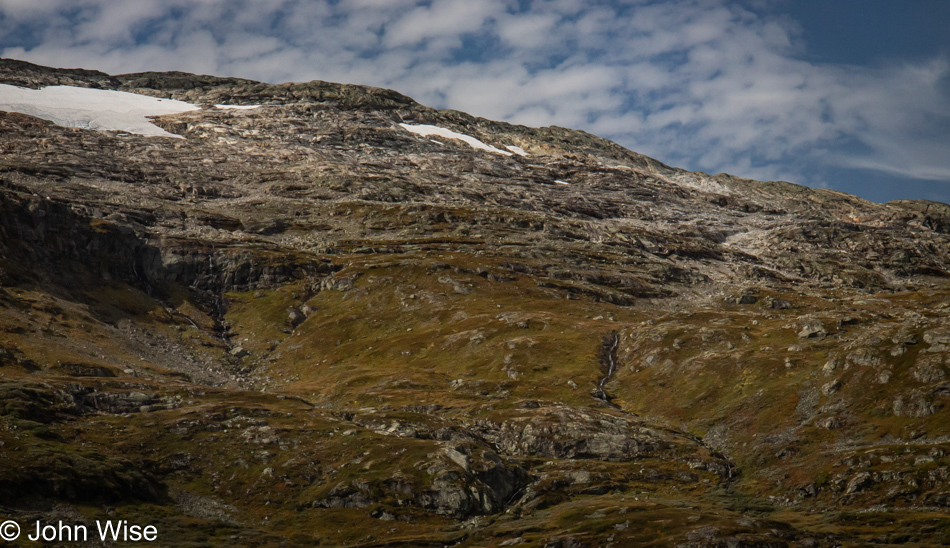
pixel 92 108
pixel 426 130
pixel 98 109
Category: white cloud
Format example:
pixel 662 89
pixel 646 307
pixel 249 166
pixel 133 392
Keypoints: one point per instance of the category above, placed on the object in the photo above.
pixel 444 19
pixel 698 83
pixel 529 31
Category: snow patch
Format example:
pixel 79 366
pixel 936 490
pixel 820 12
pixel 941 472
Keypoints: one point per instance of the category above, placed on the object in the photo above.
pixel 517 150
pixel 426 130
pixel 99 109
pixel 560 182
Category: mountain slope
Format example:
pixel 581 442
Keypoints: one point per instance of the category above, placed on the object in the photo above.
pixel 303 315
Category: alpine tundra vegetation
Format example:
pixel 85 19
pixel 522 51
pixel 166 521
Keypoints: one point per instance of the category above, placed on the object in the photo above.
pixel 338 317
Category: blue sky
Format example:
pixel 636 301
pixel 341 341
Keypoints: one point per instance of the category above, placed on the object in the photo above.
pixel 852 95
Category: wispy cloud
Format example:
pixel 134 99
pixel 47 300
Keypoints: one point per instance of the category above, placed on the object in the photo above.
pixel 704 84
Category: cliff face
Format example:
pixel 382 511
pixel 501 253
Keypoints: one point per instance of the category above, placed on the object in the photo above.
pixel 310 322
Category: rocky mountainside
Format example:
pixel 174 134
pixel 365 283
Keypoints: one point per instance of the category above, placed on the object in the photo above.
pixel 310 323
